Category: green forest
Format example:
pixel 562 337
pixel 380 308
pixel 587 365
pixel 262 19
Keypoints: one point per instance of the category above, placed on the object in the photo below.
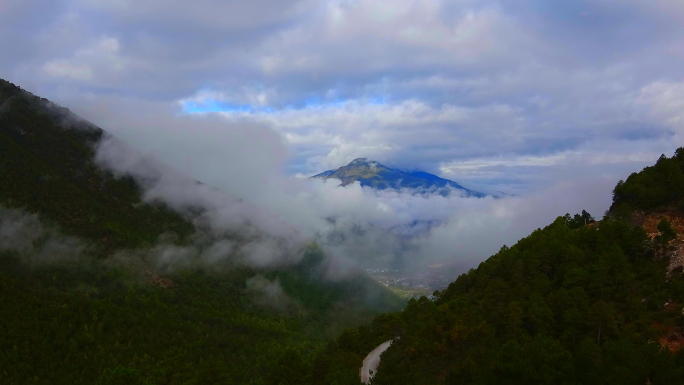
pixel 47 167
pixel 87 323
pixel 655 187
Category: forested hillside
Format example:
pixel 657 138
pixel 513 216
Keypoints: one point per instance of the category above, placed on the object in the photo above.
pixel 103 313
pixel 655 187
pixel 75 323
pixel 569 304
pixel 47 167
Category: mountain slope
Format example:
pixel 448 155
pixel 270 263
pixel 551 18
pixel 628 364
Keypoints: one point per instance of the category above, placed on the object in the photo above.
pixel 111 313
pixel 378 176
pixel 47 167
pixel 569 304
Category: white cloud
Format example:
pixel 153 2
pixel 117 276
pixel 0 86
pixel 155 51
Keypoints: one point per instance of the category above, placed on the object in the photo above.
pixel 225 15
pixel 352 222
pixel 101 59
pixel 563 158
pixel 481 229
pixel 666 102
pixel 506 95
pixel 25 234
pixel 359 37
pixel 65 69
pixel 359 128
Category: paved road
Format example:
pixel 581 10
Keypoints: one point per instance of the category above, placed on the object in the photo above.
pixel 372 361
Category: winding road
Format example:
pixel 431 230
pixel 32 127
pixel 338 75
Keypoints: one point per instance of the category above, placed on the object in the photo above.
pixel 372 361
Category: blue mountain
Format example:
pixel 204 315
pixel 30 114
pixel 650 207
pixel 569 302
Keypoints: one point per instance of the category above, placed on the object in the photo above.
pixel 375 175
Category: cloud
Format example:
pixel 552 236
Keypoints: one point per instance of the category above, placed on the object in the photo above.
pixel 65 69
pixel 666 103
pixel 24 234
pixel 227 16
pixel 413 83
pixel 269 293
pixel 482 228
pixel 101 59
pixel 574 158
pixel 358 227
pixel 517 96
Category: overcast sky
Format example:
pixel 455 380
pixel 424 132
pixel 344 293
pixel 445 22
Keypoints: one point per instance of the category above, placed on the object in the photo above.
pixel 512 95
pixel 551 101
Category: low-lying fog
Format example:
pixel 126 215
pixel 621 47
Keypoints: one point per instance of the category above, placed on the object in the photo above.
pixel 244 189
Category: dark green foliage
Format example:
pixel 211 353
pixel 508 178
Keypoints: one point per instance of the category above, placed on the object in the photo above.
pixel 47 168
pixel 578 220
pixel 120 376
pixel 562 306
pixel 290 370
pixel 667 233
pixel 654 187
pixel 80 323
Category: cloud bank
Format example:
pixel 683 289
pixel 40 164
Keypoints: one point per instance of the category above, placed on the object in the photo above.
pixel 552 103
pixel 267 219
pixel 527 90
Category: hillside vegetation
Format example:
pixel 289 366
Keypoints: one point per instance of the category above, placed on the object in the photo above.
pixel 655 187
pixel 77 323
pixel 47 167
pixel 105 315
pixel 569 304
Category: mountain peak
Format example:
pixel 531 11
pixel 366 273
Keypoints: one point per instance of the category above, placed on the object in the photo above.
pixel 359 161
pixel 373 174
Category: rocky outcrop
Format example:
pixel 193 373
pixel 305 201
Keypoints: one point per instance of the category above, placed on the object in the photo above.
pixel 676 251
pixel 164 283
